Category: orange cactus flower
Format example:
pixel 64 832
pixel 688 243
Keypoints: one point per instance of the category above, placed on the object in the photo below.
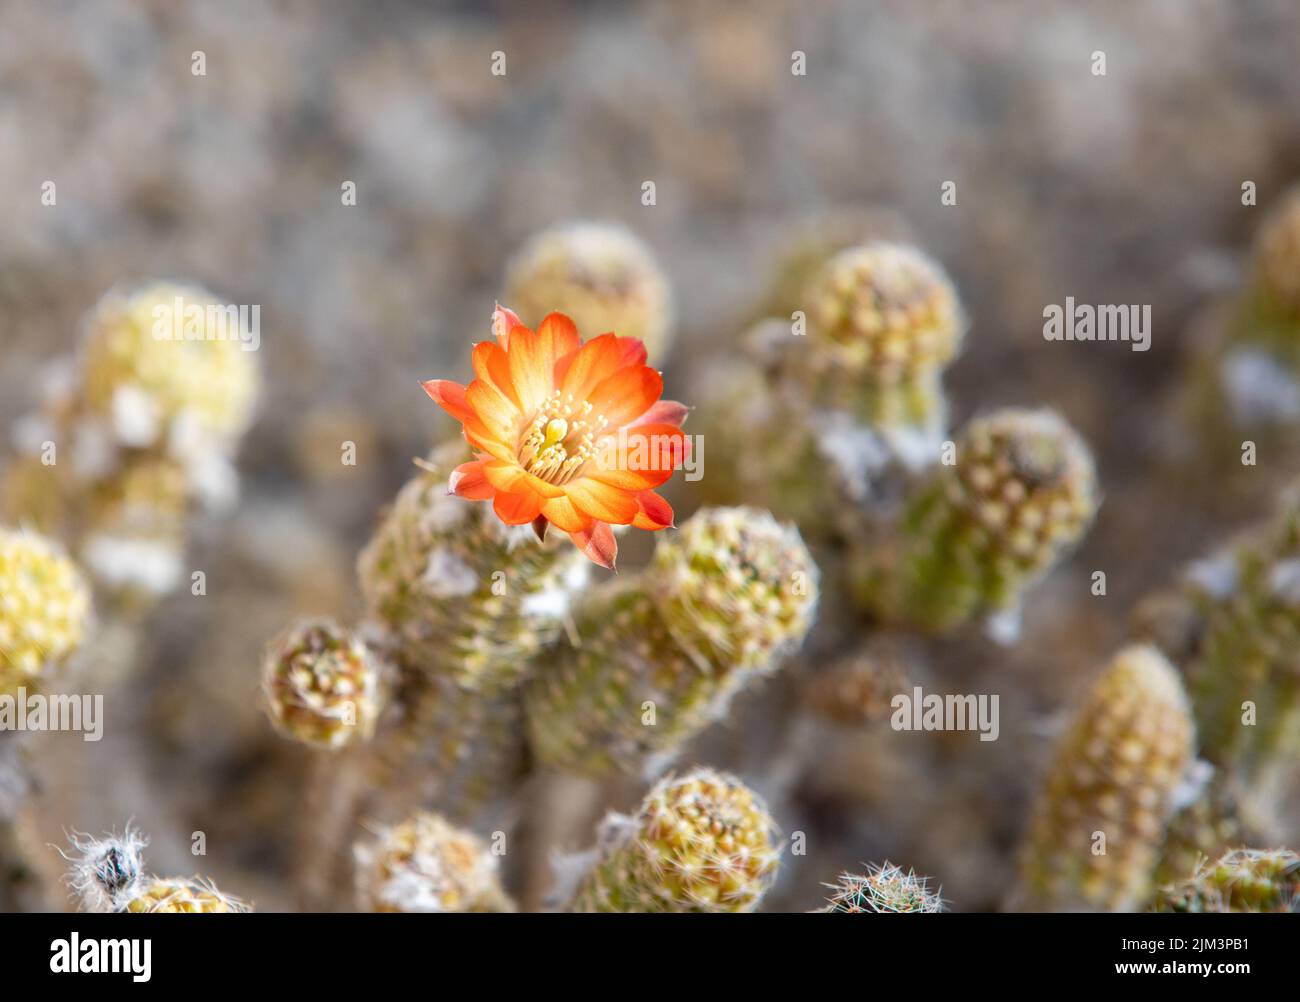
pixel 565 433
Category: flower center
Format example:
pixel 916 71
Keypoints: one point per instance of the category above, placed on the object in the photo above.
pixel 560 438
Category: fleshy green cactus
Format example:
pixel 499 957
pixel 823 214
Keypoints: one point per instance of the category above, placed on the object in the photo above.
pixel 884 888
pixel 148 379
pixel 601 276
pixel 1214 822
pixel 701 842
pixel 1243 880
pixel 1270 312
pixel 1022 489
pixel 428 865
pixel 185 896
pixel 321 685
pixel 459 594
pixel 44 608
pixel 1245 677
pixel 1101 816
pixel 883 323
pixel 659 656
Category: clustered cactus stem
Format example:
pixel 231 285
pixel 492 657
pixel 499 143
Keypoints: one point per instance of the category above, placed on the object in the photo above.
pixel 701 842
pixel 1102 814
pixel 1020 492
pixel 140 432
pixel 657 657
pixel 425 864
pixel 1243 880
pixel 849 385
pixel 884 888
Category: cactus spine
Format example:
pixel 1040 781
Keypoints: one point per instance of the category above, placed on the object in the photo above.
pixel 1243 880
pixel 885 888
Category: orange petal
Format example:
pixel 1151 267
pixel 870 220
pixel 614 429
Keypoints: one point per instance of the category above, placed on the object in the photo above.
pixel 557 337
pixel 627 394
pixel 601 501
pixel 598 543
pixel 580 372
pixel 450 397
pixel 655 513
pixel 494 409
pixel 492 365
pixel 477 434
pixel 512 478
pixel 517 509
pixel 468 481
pixel 566 517
pixel 531 368
pixel 663 412
pixel 504 320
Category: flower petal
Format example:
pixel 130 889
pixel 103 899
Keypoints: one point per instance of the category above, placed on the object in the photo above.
pixel 601 501
pixel 450 397
pixel 507 475
pixel 655 513
pixel 517 509
pixel 663 412
pixel 492 365
pixel 627 394
pixel 580 372
pixel 504 320
pixel 597 542
pixel 558 338
pixel 531 368
pixel 566 517
pixel 494 409
pixel 468 481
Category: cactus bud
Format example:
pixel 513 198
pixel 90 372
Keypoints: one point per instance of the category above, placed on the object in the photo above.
pixel 1101 816
pixel 180 895
pixel 1022 491
pixel 1243 880
pixel 321 685
pixel 428 865
pixel 884 888
pixel 106 873
pixel 702 842
pixel 601 276
pixel 661 655
pixel 44 608
pixel 153 362
pixel 884 321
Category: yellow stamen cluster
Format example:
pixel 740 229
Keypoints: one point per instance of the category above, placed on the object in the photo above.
pixel 179 896
pixel 560 439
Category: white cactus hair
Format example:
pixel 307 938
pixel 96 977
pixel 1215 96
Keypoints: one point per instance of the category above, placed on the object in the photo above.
pixel 106 872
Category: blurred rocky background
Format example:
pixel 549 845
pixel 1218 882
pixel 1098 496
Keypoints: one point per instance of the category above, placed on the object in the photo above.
pixel 1122 188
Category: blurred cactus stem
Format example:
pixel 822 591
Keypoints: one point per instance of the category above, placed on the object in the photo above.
pixel 1102 814
pixel 426 864
pixel 599 274
pixel 1245 677
pixel 1019 491
pixel 461 604
pixel 701 842
pixel 1243 880
pixel 658 657
pixel 884 321
pixel 45 608
pixel 884 888
pixel 321 685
